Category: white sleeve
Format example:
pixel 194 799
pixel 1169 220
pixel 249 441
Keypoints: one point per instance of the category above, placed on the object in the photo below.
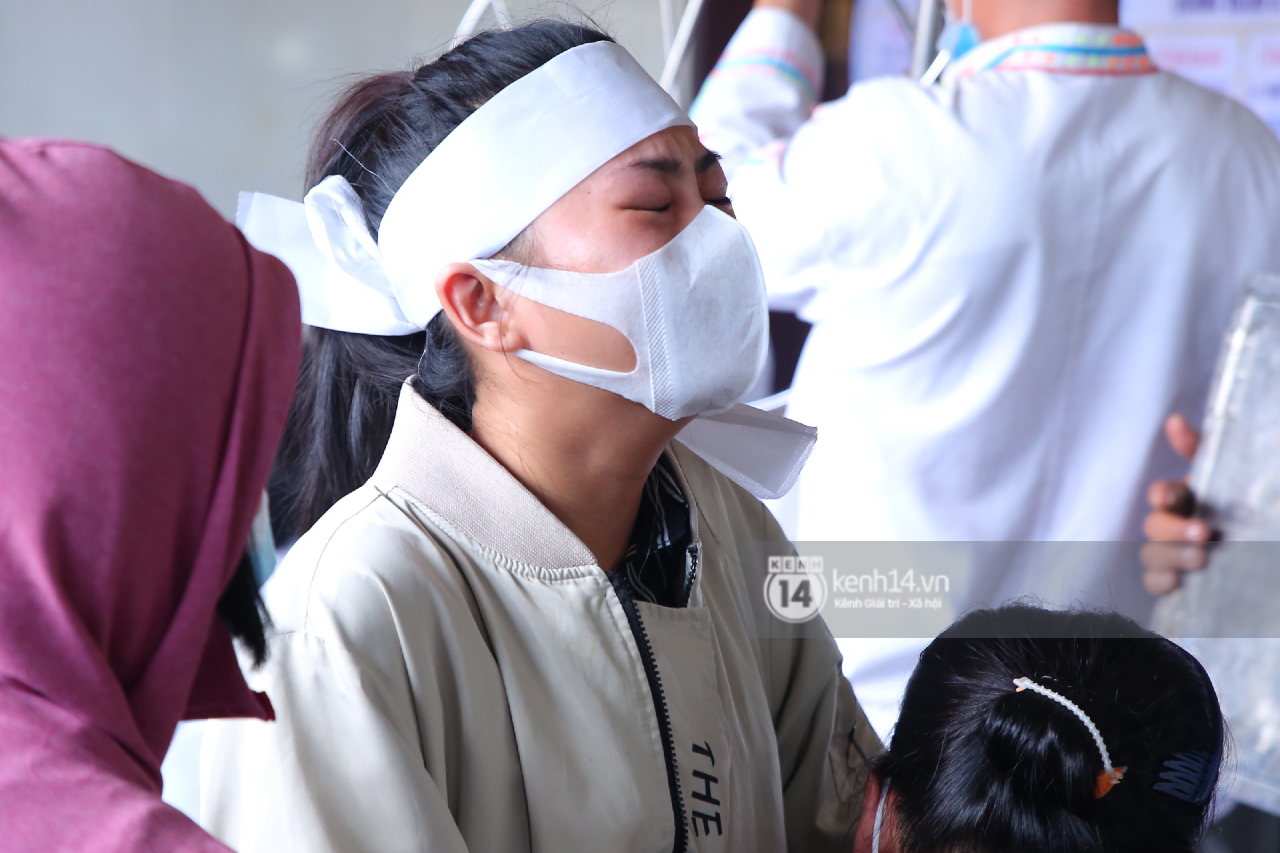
pixel 340 770
pixel 756 110
pixel 763 88
pixel 783 198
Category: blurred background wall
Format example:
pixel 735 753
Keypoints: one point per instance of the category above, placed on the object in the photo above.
pixel 224 94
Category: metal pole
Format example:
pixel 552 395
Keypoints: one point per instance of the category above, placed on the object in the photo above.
pixel 904 19
pixel 679 48
pixel 475 13
pixel 928 28
pixel 667 21
pixel 470 21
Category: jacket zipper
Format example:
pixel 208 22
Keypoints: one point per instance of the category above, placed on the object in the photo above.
pixel 692 579
pixel 623 590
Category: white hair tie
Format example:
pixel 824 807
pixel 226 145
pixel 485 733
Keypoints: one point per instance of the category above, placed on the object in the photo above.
pixel 1111 774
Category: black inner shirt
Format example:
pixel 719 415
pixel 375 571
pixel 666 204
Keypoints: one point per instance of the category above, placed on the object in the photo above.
pixel 655 564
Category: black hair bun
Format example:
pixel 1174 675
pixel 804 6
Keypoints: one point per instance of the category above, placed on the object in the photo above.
pixel 980 767
pixel 1043 753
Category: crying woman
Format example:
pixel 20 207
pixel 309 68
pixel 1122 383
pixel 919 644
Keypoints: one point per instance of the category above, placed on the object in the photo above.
pixel 515 619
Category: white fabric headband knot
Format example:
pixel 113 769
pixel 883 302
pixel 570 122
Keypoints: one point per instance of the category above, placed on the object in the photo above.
pixel 488 180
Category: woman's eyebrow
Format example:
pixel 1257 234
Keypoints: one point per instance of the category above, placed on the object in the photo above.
pixel 661 165
pixel 673 165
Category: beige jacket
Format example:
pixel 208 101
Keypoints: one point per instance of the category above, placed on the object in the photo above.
pixel 453 672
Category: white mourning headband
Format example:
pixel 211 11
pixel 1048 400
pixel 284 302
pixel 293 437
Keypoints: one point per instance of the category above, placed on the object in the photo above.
pixel 484 183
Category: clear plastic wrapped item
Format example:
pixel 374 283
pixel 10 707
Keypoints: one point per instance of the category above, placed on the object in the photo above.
pixel 1229 614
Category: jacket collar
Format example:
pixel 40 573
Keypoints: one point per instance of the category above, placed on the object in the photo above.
pixel 1080 49
pixel 443 468
pixel 461 485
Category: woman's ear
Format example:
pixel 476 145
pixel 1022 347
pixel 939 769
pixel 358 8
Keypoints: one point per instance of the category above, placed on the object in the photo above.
pixel 478 309
pixel 862 837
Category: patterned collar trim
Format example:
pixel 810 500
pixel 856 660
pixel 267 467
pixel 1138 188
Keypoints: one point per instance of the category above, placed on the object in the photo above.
pixel 1084 49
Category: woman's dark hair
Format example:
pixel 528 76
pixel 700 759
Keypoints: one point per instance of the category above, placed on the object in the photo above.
pixel 381 129
pixel 979 768
pixel 241 609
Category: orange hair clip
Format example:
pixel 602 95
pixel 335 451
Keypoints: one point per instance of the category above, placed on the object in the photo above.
pixel 1107 780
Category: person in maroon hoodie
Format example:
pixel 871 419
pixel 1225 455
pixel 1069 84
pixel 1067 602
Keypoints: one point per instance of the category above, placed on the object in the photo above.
pixel 149 358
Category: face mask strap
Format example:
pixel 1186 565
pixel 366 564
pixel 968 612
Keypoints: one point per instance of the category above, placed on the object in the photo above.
pixel 879 821
pixel 576 294
pixel 564 367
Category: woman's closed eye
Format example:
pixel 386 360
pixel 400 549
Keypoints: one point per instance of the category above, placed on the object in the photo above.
pixel 722 201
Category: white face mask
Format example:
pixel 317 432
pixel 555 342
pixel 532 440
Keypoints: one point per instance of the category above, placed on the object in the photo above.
pixel 695 312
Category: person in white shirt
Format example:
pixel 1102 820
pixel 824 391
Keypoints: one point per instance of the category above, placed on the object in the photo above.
pixel 1013 277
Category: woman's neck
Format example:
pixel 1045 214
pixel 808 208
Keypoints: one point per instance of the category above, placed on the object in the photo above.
pixel 586 459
